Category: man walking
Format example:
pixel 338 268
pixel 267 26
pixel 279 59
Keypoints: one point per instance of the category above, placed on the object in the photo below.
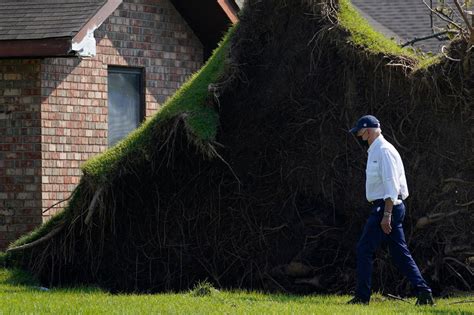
pixel 386 188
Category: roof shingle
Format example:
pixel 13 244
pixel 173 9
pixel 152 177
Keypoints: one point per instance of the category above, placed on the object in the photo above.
pixel 40 19
pixel 406 19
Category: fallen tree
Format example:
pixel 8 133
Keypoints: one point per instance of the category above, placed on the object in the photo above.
pixel 248 177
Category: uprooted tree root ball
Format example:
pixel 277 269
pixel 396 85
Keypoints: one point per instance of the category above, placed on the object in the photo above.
pixel 276 200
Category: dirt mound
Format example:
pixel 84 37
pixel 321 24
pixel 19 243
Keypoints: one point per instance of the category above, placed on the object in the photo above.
pixel 276 201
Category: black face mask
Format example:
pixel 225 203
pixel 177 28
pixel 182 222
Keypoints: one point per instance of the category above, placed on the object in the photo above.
pixel 364 144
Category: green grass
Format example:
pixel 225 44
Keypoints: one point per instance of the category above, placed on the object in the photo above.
pixel 363 35
pixel 190 99
pixel 427 62
pixel 21 295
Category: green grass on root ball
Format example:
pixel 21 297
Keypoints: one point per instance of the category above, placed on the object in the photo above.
pixel 190 99
pixel 362 34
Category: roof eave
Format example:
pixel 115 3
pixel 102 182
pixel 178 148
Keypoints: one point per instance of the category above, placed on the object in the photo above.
pixel 231 9
pixel 27 48
pixel 81 44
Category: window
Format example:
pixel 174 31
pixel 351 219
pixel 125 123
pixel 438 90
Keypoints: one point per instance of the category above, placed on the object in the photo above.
pixel 125 102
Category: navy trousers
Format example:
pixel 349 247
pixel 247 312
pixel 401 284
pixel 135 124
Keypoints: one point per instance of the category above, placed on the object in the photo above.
pixel 372 237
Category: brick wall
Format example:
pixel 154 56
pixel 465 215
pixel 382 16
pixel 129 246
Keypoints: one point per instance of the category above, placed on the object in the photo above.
pixel 20 148
pixel 140 33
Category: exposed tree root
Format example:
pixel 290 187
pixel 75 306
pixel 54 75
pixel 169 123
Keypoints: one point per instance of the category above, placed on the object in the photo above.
pixel 39 241
pixel 276 202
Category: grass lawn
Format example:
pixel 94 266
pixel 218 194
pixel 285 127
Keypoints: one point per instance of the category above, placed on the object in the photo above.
pixel 20 295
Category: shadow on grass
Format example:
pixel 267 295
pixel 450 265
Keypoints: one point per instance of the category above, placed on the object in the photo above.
pixel 17 277
pixel 282 298
pixel 17 280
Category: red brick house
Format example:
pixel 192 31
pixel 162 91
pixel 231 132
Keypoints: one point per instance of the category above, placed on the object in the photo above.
pixel 76 76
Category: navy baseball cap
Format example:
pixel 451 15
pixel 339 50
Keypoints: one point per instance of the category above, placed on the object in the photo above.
pixel 367 121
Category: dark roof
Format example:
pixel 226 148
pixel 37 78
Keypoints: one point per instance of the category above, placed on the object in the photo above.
pixel 402 19
pixel 40 19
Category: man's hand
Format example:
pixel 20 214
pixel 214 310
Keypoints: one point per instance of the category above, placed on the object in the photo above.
pixel 385 224
pixel 387 219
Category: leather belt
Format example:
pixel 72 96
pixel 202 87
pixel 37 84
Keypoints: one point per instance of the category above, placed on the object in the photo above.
pixel 377 201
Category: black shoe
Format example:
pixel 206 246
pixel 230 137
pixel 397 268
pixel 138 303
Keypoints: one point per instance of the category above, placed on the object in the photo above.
pixel 358 300
pixel 425 298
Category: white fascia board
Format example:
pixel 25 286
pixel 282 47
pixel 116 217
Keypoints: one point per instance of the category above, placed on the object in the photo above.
pixel 87 46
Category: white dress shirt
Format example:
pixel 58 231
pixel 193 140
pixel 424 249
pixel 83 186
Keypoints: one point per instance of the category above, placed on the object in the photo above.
pixel 385 172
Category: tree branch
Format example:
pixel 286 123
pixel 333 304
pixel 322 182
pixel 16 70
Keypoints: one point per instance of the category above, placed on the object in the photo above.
pixel 464 17
pixel 38 241
pixel 419 39
pixel 444 17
